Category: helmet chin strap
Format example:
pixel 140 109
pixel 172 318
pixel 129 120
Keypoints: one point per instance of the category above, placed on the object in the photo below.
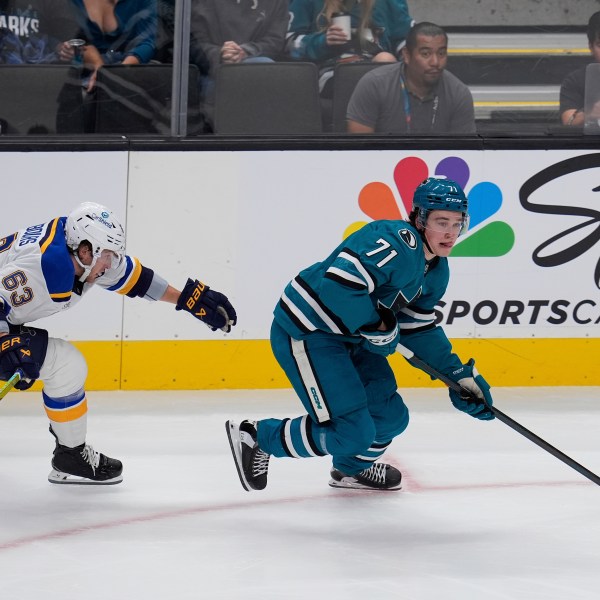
pixel 426 241
pixel 87 269
pixel 420 221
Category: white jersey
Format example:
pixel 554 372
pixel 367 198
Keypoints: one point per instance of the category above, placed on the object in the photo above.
pixel 37 274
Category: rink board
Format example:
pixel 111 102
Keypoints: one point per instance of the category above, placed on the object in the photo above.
pixel 523 298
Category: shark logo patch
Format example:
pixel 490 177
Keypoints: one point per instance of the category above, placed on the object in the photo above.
pixel 408 237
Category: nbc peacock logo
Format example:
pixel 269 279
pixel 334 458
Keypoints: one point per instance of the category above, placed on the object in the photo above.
pixel 485 238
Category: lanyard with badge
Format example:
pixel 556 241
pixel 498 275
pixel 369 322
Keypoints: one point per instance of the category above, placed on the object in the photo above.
pixel 407 110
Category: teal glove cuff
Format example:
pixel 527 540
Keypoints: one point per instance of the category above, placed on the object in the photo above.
pixel 475 399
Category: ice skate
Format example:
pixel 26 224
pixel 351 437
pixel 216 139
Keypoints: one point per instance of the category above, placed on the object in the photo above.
pixel 251 462
pixel 83 465
pixel 378 477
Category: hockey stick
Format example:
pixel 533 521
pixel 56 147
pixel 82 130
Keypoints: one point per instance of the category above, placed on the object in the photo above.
pixel 10 384
pixel 532 437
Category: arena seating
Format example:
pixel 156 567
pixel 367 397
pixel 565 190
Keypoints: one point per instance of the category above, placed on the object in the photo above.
pixel 40 99
pixel 515 75
pixel 136 99
pixel 345 78
pixel 267 98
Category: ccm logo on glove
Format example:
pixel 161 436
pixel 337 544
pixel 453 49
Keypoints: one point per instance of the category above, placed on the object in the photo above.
pixel 383 336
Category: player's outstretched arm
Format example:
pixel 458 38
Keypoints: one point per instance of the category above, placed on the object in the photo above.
pixel 207 305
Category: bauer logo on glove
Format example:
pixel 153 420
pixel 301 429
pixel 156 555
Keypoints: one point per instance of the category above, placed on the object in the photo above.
pixel 16 355
pixel 199 287
pixel 209 306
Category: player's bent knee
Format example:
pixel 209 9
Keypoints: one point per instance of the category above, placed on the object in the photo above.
pixel 401 419
pixel 355 432
pixel 396 420
pixel 64 371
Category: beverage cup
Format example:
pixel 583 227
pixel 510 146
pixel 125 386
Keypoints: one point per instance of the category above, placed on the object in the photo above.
pixel 342 20
pixel 76 43
pixel 77 46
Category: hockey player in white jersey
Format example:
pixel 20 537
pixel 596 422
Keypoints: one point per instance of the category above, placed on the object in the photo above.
pixel 335 325
pixel 50 267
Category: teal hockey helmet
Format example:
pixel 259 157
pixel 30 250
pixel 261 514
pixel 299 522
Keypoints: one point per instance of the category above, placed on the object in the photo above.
pixel 439 193
pixel 436 193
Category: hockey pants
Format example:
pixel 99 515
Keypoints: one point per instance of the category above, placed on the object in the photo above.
pixel 350 395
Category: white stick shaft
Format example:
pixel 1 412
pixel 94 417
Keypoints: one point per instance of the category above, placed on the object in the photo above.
pixel 408 354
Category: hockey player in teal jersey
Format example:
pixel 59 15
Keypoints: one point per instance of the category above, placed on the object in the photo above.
pixel 49 268
pixel 335 325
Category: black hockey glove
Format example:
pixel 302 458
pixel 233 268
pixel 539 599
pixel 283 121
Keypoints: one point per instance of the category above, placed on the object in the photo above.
pixel 475 399
pixel 212 308
pixel 15 354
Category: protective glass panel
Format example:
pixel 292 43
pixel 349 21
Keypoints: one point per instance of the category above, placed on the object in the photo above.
pixel 592 100
pixel 500 72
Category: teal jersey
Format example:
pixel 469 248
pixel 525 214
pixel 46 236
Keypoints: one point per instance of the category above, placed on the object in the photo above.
pixel 389 25
pixel 382 264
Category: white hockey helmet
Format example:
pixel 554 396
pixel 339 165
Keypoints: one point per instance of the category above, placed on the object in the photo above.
pixel 97 225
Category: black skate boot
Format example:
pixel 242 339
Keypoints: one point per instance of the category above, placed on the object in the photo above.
pixel 83 465
pixel 251 462
pixel 378 477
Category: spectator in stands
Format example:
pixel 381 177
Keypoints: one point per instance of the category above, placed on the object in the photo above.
pixel 116 31
pixel 234 31
pixel 378 32
pixel 572 89
pixel 416 96
pixel 165 31
pixel 36 31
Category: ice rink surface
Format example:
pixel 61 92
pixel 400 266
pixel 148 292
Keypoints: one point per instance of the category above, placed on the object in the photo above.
pixel 484 514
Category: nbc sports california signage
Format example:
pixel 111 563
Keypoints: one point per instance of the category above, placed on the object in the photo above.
pixel 521 244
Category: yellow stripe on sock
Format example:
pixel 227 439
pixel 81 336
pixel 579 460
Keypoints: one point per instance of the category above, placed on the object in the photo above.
pixel 67 414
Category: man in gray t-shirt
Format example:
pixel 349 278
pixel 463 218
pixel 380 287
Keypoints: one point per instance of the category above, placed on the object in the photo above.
pixel 417 96
pixel 572 88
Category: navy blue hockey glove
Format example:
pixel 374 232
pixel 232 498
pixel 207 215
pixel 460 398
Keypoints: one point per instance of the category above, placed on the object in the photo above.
pixel 212 308
pixel 4 310
pixel 15 354
pixel 475 399
pixel 382 342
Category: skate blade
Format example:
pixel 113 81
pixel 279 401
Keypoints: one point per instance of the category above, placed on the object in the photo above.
pixel 350 484
pixel 236 444
pixel 65 479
